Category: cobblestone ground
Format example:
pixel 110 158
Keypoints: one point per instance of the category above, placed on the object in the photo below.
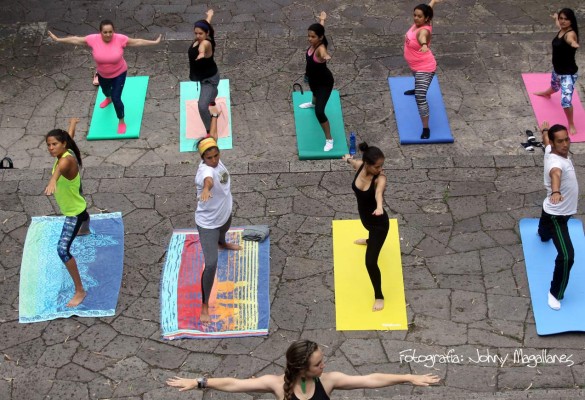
pixel 457 205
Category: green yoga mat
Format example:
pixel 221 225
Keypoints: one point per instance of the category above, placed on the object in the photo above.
pixel 190 91
pixel 310 136
pixel 104 122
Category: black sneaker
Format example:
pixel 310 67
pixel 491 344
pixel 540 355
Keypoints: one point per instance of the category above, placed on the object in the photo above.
pixel 426 133
pixel 409 92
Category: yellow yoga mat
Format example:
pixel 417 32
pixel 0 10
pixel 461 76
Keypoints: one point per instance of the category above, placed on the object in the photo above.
pixel 354 295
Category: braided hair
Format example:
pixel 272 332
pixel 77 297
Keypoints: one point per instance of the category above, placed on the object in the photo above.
pixel 63 137
pixel 297 361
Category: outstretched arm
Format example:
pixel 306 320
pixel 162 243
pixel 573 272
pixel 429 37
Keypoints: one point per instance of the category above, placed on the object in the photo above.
pixel 263 384
pixel 571 39
pixel 76 40
pixel 143 42
pixel 354 163
pixel 373 381
pixel 209 15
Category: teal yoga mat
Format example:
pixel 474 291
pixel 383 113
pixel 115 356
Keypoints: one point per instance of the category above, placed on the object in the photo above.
pixel 190 91
pixel 104 122
pixel 310 136
pixel 539 258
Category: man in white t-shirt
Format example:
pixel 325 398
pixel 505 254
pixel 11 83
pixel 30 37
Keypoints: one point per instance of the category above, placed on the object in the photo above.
pixel 562 195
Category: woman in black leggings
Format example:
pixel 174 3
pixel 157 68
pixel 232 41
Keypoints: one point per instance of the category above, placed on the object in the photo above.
pixel 369 185
pixel 319 77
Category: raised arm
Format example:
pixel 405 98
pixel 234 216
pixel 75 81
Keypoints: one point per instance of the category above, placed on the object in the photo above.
pixel 342 381
pixel 544 130
pixel 209 15
pixel 132 42
pixel 213 110
pixel 72 125
pixel 76 40
pixel 433 2
pixel 322 17
pixel 555 18
pixel 263 384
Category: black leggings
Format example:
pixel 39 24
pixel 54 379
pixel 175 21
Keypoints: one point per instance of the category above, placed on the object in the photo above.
pixel 555 227
pixel 376 238
pixel 321 94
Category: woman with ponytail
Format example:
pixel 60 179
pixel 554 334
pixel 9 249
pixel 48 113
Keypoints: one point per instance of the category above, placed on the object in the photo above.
pixel 65 184
pixel 202 67
pixel 319 77
pixel 303 378
pixel 369 185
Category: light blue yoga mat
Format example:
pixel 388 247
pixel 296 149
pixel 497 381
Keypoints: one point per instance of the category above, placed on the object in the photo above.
pixel 104 122
pixel 46 286
pixel 539 258
pixel 310 136
pixel 408 118
pixel 190 91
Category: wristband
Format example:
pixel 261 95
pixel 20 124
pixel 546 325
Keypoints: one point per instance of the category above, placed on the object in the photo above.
pixel 556 191
pixel 422 44
pixel 202 383
pixel 545 130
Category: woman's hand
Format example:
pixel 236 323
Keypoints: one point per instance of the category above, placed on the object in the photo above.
pixel 424 48
pixel 209 14
pixel 424 380
pixel 346 158
pixel 205 195
pixel 575 45
pixel 53 36
pixel 378 211
pixel 182 383
pixel 158 39
pixel 50 189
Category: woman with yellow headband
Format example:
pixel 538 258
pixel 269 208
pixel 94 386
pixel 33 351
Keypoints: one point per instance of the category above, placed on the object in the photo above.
pixel 213 216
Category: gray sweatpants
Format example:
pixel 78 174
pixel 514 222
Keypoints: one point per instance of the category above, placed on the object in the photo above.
pixel 209 239
pixel 207 94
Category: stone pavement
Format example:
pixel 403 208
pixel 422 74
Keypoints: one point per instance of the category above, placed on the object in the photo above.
pixel 457 205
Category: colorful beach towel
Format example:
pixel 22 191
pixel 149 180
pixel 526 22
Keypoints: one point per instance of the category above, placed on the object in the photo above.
pixel 239 304
pixel 45 284
pixel 190 120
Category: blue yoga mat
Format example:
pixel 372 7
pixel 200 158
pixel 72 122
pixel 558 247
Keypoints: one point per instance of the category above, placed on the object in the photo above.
pixel 539 258
pixel 408 118
pixel 46 286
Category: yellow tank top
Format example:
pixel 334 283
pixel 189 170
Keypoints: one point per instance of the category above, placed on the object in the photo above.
pixel 68 193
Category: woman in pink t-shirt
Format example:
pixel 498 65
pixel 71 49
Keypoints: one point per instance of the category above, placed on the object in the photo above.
pixel 421 60
pixel 108 54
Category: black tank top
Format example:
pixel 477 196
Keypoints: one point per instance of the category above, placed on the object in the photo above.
pixel 320 393
pixel 563 56
pixel 316 71
pixel 366 200
pixel 202 68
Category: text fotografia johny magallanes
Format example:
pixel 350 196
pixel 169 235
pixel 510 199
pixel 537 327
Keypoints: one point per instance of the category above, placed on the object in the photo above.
pixel 521 357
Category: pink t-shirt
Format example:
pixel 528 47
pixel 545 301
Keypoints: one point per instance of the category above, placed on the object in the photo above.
pixel 417 60
pixel 109 57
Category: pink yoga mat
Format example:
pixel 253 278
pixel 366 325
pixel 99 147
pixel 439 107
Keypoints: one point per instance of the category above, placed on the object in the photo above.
pixel 195 128
pixel 550 109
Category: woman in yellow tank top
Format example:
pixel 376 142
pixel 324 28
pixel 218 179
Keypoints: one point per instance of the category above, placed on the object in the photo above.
pixel 65 184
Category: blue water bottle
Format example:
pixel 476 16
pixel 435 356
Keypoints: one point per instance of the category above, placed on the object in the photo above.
pixel 352 144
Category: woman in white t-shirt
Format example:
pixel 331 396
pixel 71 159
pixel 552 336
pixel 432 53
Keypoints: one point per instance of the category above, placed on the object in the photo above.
pixel 213 216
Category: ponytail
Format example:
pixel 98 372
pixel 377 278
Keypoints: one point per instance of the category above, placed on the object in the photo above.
pixel 64 137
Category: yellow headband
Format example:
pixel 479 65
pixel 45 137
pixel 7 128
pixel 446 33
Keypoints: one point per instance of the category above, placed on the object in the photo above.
pixel 206 144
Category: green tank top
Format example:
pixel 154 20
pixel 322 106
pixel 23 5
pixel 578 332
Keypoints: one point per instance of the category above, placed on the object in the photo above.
pixel 68 193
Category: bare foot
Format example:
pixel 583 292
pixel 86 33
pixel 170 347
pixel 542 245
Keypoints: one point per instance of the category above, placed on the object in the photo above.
pixel 230 246
pixel 77 299
pixel 362 242
pixel 378 305
pixel 572 130
pixel 544 93
pixel 204 317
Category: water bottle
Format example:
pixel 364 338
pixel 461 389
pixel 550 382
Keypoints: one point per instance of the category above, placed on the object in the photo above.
pixel 352 144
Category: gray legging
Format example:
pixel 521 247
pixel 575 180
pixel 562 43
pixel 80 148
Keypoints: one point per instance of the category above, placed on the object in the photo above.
pixel 207 95
pixel 209 239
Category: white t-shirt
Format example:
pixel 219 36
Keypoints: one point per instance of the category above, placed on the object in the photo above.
pixel 214 212
pixel 569 185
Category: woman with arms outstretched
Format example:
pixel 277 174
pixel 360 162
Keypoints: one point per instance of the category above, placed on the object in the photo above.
pixel 303 378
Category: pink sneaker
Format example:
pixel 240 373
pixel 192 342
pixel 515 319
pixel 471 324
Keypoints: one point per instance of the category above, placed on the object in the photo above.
pixel 105 103
pixel 121 128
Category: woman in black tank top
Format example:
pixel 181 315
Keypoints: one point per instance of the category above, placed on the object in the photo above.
pixel 303 378
pixel 564 75
pixel 202 67
pixel 368 185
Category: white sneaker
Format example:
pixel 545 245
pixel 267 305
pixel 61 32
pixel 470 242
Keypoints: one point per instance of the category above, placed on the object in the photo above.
pixel 328 145
pixel 553 302
pixel 307 105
